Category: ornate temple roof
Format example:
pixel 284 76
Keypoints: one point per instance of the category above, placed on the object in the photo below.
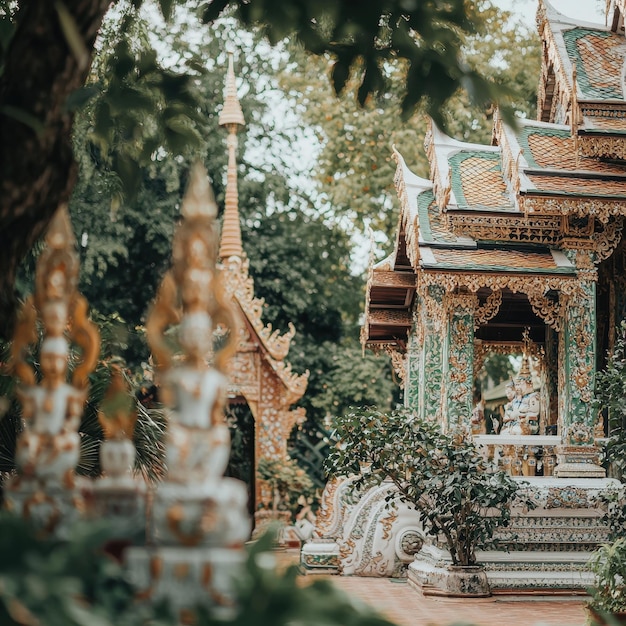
pixel 466 175
pixel 527 214
pixel 582 81
pixel 542 161
pixel 273 345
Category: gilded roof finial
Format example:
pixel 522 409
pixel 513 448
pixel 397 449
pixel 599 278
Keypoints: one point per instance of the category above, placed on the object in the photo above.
pixel 231 117
pixel 231 113
pixel 191 292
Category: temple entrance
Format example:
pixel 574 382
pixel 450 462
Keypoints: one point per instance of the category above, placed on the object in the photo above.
pixel 498 385
pixel 242 462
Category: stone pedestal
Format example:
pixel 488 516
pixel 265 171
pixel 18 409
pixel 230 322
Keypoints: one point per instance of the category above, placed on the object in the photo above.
pixel 187 578
pixel 122 503
pixel 578 462
pixel 53 509
pixel 320 556
pixel 544 548
pixel 432 573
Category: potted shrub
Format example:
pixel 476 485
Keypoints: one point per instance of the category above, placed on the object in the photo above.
pixel 608 595
pixel 461 497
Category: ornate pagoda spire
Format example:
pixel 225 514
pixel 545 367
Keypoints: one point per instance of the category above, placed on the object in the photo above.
pixel 231 117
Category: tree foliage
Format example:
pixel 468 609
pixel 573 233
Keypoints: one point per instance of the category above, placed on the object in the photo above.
pixel 428 36
pixel 354 169
pixel 40 93
pixel 460 496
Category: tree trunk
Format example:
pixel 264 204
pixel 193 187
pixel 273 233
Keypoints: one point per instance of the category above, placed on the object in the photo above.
pixel 38 170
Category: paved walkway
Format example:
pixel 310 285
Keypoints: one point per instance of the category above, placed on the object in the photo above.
pixel 405 606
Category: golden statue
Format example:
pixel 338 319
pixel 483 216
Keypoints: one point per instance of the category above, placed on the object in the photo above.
pixel 191 296
pixel 48 449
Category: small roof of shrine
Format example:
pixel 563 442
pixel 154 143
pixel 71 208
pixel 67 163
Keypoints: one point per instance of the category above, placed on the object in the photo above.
pixel 593 50
pixel 583 77
pixel 548 163
pixel 502 221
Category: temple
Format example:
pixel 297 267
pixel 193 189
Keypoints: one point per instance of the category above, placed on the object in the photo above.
pixel 522 235
pixel 513 248
pixel 259 375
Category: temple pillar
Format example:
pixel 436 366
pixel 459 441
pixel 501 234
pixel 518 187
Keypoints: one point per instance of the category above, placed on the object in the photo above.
pixel 432 355
pixel 412 389
pixel 458 372
pixel 578 455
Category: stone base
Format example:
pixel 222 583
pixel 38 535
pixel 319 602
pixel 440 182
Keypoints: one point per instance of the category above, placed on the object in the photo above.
pixel 578 462
pixel 515 571
pixel 437 576
pixel 121 503
pixel 505 572
pixel 579 470
pixel 187 577
pixel 319 556
pixel 53 509
pixel 545 548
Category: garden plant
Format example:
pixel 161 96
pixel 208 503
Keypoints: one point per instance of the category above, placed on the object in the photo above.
pixel 462 498
pixel 608 594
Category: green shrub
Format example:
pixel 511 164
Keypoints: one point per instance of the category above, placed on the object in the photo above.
pixel 608 564
pixel 460 496
pixel 288 481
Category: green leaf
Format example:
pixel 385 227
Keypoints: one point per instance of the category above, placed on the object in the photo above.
pixel 24 117
pixel 80 97
pixel 72 35
pixel 213 9
pixel 166 9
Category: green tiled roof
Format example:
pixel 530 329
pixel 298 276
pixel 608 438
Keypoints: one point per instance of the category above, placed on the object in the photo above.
pixel 598 71
pixel 498 260
pixel 471 175
pixel 526 131
pixel 431 228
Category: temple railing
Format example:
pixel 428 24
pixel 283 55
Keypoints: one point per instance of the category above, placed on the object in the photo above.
pixel 521 455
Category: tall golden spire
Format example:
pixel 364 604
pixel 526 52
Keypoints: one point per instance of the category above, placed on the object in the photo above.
pixel 231 117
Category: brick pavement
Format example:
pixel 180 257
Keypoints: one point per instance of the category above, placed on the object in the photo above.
pixel 406 606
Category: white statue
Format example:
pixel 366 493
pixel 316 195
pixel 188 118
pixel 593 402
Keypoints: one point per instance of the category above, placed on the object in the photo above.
pixel 199 440
pixel 530 407
pixel 49 446
pixel 193 385
pixel 511 417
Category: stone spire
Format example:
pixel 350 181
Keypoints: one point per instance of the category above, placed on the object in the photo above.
pixel 231 117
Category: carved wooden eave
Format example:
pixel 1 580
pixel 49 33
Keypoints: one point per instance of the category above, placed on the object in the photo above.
pixel 388 300
pixel 390 287
pixel 273 345
pixel 555 85
pixel 409 187
pixel 615 11
pixel 536 287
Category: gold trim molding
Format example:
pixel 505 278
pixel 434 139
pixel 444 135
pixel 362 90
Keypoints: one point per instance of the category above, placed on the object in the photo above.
pixel 488 310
